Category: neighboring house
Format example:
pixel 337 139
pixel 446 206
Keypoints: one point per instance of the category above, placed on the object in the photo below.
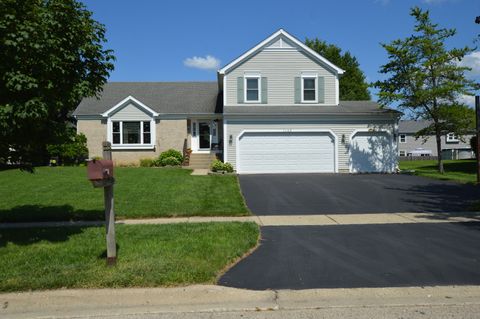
pixel 275 109
pixel 453 147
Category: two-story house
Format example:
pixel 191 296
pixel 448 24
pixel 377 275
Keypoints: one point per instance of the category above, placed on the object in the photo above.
pixel 453 147
pixel 274 109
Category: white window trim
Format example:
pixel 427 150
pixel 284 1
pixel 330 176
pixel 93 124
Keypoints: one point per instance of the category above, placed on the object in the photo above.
pixel 122 146
pixel 309 76
pixel 400 153
pixel 252 76
pixel 400 138
pixel 452 138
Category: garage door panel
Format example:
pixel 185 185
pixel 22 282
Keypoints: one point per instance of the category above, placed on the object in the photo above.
pixel 264 152
pixel 372 152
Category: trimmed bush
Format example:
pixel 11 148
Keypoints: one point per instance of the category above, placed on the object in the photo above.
pixel 147 162
pixel 216 166
pixel 171 161
pixel 219 166
pixel 227 167
pixel 165 158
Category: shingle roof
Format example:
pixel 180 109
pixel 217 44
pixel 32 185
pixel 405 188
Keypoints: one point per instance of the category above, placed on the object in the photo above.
pixel 162 97
pixel 409 126
pixel 345 108
pixel 203 98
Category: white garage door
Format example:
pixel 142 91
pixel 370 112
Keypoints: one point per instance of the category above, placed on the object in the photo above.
pixel 291 152
pixel 372 152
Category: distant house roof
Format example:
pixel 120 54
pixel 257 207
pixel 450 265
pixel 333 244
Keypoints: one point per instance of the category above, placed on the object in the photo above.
pixel 161 97
pixel 410 126
pixel 344 108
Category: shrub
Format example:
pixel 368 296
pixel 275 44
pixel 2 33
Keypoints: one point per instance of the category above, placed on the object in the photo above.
pixel 227 167
pixel 147 162
pixel 164 158
pixel 218 166
pixel 171 161
pixel 73 151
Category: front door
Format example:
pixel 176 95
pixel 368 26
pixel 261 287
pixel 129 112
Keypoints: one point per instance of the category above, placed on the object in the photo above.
pixel 204 135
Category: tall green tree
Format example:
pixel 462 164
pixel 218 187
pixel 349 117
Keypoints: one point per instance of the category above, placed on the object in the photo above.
pixel 51 56
pixel 353 85
pixel 424 77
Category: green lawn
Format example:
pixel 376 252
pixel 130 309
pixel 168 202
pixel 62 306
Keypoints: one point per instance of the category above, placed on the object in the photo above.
pixel 63 193
pixel 462 171
pixel 148 255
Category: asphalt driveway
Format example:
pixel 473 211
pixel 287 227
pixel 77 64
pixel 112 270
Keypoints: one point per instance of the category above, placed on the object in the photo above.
pixel 286 194
pixel 390 255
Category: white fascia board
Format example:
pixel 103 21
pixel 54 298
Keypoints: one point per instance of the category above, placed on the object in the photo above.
pixel 129 99
pixel 291 38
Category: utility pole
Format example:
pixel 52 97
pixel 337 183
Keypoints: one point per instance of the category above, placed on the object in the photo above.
pixel 477 112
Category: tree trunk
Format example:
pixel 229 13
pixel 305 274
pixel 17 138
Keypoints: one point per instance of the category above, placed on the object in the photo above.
pixel 438 136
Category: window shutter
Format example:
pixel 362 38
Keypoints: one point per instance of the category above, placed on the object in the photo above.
pixel 298 88
pixel 264 91
pixel 321 89
pixel 240 89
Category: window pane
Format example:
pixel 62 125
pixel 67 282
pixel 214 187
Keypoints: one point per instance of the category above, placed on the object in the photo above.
pixel 252 95
pixel 116 127
pixel 252 83
pixel 146 138
pixel 309 84
pixel 131 132
pixel 309 95
pixel 146 127
pixel 116 138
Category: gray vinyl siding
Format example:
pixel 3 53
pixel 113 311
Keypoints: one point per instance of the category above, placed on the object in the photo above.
pixel 131 112
pixel 235 127
pixel 430 144
pixel 280 68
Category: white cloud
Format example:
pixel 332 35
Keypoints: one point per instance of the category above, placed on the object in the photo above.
pixel 472 61
pixel 207 63
pixel 467 100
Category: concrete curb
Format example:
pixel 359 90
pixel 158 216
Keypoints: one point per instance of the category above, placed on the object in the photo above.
pixel 209 298
pixel 281 220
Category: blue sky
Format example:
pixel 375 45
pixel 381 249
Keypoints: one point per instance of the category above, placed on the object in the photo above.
pixel 153 40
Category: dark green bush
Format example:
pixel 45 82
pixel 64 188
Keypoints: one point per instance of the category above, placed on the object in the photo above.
pixel 171 161
pixel 73 151
pixel 170 153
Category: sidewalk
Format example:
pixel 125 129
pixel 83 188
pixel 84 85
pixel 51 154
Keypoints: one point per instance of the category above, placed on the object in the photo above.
pixel 215 299
pixel 287 220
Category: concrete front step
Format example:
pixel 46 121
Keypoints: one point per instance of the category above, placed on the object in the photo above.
pixel 201 161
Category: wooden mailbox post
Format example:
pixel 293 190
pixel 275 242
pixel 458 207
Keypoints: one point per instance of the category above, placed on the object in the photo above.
pixel 100 173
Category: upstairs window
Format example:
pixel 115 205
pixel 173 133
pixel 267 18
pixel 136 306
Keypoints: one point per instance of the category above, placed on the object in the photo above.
pixel 309 89
pixel 131 132
pixel 403 138
pixel 252 89
pixel 452 138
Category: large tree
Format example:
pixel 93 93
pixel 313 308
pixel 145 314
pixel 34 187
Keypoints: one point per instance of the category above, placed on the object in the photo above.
pixel 424 77
pixel 353 85
pixel 51 56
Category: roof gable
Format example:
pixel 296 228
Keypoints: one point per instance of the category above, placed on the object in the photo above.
pixel 281 40
pixel 127 101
